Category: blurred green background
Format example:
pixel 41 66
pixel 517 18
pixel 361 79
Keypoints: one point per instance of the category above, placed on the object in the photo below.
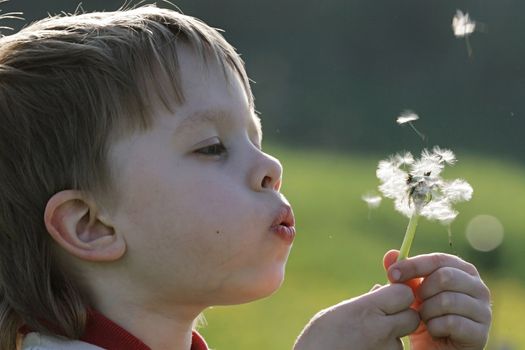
pixel 330 79
pixel 340 244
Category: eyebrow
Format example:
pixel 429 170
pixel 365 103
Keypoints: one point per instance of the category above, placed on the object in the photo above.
pixel 207 116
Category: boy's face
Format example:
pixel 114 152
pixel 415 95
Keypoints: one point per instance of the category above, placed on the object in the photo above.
pixel 197 197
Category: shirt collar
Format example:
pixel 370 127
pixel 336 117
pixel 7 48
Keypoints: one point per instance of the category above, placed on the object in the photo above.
pixel 103 332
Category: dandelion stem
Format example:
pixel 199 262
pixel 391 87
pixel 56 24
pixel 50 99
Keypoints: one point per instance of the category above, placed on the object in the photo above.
pixel 409 236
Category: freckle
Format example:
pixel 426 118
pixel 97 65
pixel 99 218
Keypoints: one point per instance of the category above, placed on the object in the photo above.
pixel 217 232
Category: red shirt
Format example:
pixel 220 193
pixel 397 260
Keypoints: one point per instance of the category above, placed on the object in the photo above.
pixel 103 332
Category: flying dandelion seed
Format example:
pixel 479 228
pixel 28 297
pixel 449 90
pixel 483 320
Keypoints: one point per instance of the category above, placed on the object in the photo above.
pixel 373 201
pixel 463 27
pixel 462 24
pixel 417 188
pixel 408 117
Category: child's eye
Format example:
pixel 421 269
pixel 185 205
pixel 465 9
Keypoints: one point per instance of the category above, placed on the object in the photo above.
pixel 212 150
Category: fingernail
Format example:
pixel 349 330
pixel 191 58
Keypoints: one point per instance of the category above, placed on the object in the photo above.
pixel 396 274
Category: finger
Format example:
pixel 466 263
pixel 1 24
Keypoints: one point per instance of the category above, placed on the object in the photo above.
pixel 459 330
pixel 390 258
pixel 424 265
pixel 392 298
pixel 447 303
pixel 454 280
pixel 404 322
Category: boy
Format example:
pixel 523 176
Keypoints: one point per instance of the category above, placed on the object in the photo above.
pixel 133 135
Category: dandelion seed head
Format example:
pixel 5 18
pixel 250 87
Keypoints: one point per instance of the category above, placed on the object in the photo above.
pixel 421 189
pixel 392 177
pixel 388 170
pixel 426 155
pixel 404 158
pixel 445 155
pixel 407 116
pixel 462 25
pixel 391 189
pixel 439 210
pixel 427 167
pixel 457 191
pixel 401 204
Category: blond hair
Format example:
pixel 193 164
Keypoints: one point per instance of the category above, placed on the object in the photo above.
pixel 67 85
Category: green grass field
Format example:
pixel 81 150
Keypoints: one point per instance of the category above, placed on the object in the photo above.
pixel 339 247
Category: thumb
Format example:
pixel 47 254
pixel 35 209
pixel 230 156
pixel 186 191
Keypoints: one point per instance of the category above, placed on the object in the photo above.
pixel 390 258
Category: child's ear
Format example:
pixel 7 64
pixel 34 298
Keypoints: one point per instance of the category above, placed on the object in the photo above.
pixel 75 223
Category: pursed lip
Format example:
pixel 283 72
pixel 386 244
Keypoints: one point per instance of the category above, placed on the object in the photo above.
pixel 284 223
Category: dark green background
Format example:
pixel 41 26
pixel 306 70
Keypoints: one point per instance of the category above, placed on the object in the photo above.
pixel 336 73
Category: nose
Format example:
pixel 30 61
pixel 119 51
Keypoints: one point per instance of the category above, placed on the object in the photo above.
pixel 266 173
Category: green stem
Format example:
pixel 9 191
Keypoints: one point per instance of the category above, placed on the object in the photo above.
pixel 409 237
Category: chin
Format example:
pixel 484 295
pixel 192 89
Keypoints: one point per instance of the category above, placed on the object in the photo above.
pixel 268 289
pixel 256 289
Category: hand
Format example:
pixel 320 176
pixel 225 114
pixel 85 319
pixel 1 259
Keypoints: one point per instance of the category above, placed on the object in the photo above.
pixel 373 321
pixel 452 300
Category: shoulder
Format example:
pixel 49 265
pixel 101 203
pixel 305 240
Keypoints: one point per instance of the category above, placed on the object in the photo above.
pixel 37 341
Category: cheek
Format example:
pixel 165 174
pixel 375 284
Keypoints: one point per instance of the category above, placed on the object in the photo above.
pixel 195 234
pixel 188 219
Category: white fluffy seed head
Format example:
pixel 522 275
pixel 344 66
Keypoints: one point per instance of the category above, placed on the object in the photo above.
pixel 421 188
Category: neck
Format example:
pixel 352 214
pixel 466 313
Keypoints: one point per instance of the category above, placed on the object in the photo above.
pixel 160 328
